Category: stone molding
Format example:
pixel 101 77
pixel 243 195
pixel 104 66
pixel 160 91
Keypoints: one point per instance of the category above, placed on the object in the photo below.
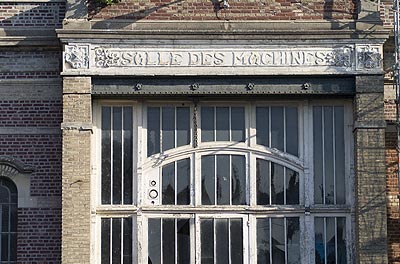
pixel 98 59
pixel 19 173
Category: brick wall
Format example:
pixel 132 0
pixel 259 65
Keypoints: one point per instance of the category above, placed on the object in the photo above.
pixel 33 113
pixel 39 236
pixel 238 10
pixel 392 201
pixel 27 14
pixel 21 64
pixel 41 151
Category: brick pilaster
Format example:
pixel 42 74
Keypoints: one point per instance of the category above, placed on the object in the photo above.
pixel 370 178
pixel 77 113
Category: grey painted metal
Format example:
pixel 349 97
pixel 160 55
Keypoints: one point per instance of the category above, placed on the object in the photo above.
pixel 222 86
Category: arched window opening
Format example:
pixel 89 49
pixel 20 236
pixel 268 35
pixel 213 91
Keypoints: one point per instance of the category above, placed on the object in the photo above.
pixel 8 221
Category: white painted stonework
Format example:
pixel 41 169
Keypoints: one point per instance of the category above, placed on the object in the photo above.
pixel 88 59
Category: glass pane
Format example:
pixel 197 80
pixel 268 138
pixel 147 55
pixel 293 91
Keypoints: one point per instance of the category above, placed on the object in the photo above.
pixel 13 247
pixel 293 240
pixel 10 186
pixel 263 171
pixel 237 127
pixel 292 144
pixel 116 240
pixel 168 241
pixel 183 237
pixel 317 141
pixel 292 187
pixel 153 130
pixel 328 156
pixel 14 217
pixel 5 214
pixel 277 184
pixel 339 156
pixel 207 124
pixel 168 184
pixel 330 240
pixel 207 241
pixel 238 180
pixel 222 124
pixel 128 146
pixel 277 128
pixel 183 178
pixel 105 240
pixel 154 241
pixel 236 241
pixel 341 240
pixel 4 247
pixel 263 244
pixel 117 154
pixel 223 179
pixel 221 243
pixel 127 258
pixel 168 128
pixel 183 126
pixel 105 155
pixel 4 195
pixel 208 180
pixel 278 240
pixel 319 240
pixel 262 124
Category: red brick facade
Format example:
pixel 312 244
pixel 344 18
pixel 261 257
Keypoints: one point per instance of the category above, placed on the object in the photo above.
pixel 238 10
pixel 39 236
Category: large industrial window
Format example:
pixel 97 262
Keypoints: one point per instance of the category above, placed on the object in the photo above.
pixel 212 183
pixel 8 221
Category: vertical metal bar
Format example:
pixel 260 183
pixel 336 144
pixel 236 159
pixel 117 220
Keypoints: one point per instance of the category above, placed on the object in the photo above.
pixel 176 239
pixel 111 156
pixel 284 185
pixel 325 257
pixel 215 123
pixel 176 181
pixel 111 239
pixel 323 153
pixel 215 180
pixel 161 129
pixel 175 127
pixel 122 238
pixel 334 154
pixel 229 241
pixel 269 129
pixel 230 179
pixel 284 129
pixel 270 239
pixel 161 241
pixel 215 239
pixel 230 123
pixel 270 182
pixel 122 156
pixel 286 250
pixel 336 253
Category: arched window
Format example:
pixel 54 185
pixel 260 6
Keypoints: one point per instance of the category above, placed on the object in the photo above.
pixel 8 221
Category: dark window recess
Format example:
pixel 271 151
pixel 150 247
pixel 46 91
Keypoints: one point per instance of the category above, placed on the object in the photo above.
pixel 167 128
pixel 116 155
pixel 9 219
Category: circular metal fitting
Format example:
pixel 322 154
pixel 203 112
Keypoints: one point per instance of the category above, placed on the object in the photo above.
pixel 153 194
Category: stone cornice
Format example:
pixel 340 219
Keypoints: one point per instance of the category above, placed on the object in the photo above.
pixel 28 37
pixel 221 30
